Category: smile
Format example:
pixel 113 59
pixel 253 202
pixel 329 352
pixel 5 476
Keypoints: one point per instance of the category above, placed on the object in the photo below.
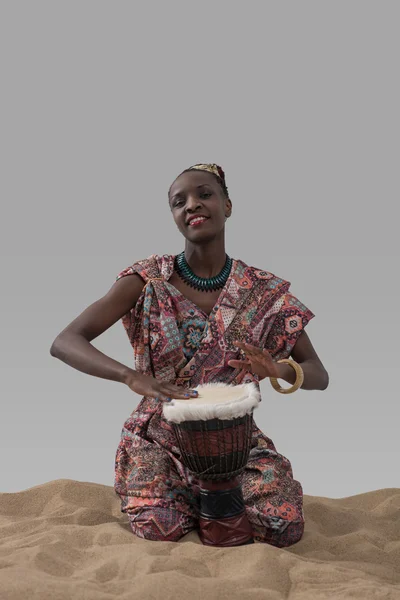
pixel 198 221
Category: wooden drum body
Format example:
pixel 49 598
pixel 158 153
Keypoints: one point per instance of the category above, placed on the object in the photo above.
pixel 214 433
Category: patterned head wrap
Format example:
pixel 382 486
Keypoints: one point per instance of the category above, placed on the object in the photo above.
pixel 211 168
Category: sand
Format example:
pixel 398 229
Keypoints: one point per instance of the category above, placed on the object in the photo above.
pixel 68 540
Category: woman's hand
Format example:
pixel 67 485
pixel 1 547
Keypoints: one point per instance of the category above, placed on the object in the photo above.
pixel 145 385
pixel 258 361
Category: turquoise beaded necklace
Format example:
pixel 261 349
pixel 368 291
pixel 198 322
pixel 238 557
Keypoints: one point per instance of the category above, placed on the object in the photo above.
pixel 201 283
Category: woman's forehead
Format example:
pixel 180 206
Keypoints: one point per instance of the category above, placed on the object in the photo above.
pixel 190 179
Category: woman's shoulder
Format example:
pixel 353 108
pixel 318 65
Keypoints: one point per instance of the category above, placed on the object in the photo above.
pixel 154 265
pixel 278 286
pixel 259 272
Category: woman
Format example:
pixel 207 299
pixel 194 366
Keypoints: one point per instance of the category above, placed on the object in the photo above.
pixel 195 318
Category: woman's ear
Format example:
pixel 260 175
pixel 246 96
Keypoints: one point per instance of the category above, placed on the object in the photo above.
pixel 229 208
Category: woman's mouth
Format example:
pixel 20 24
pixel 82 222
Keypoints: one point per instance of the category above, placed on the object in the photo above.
pixel 198 221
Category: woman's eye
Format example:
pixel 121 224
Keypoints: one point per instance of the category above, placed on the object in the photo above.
pixel 180 202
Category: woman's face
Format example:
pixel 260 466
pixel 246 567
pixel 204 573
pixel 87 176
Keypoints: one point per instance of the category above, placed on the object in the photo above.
pixel 198 193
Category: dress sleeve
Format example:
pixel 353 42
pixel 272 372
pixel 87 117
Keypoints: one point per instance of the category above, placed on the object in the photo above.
pixel 130 320
pixel 287 326
pixel 138 267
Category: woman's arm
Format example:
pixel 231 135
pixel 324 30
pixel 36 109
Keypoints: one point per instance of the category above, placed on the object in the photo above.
pixel 73 346
pixel 315 375
pixel 260 362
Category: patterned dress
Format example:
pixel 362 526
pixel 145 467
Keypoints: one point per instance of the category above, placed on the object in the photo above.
pixel 174 340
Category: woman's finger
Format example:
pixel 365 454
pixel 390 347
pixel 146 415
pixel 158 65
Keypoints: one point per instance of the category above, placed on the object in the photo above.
pixel 246 345
pixel 262 359
pixel 178 390
pixel 242 372
pixel 162 397
pixel 179 393
pixel 250 350
pixel 258 353
pixel 167 397
pixel 238 364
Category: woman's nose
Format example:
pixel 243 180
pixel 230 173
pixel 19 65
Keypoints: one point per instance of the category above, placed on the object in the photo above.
pixel 192 201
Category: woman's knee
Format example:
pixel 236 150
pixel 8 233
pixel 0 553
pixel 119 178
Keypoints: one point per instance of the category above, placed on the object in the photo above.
pixel 160 524
pixel 287 536
pixel 277 531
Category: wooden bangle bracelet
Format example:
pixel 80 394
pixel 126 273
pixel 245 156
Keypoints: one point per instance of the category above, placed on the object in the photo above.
pixel 299 378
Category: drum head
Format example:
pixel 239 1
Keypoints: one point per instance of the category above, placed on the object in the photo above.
pixel 215 401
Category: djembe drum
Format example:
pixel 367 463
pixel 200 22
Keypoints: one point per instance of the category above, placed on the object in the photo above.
pixel 214 433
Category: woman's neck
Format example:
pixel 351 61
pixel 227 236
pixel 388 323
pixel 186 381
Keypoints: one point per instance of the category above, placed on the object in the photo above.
pixel 206 260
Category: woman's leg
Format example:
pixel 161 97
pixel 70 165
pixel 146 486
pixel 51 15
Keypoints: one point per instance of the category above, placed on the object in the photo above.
pixel 160 524
pixel 273 499
pixel 155 494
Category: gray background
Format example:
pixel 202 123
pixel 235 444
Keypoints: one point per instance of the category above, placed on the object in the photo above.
pixel 102 105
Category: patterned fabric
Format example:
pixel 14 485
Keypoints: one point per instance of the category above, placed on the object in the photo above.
pixel 191 332
pixel 174 340
pixel 211 168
